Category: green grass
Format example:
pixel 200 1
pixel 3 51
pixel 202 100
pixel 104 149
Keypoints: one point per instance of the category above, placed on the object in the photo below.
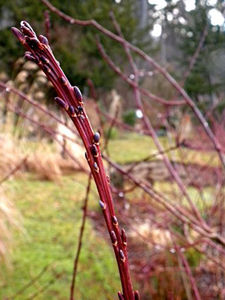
pixel 135 147
pixel 51 216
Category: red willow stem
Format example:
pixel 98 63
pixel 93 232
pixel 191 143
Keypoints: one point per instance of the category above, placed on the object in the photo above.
pixel 80 239
pixel 71 100
pixel 151 62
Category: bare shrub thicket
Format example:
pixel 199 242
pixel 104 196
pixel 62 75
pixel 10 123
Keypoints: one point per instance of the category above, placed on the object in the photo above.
pixel 171 202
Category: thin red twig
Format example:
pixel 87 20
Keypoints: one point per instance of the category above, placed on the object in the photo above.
pixel 72 287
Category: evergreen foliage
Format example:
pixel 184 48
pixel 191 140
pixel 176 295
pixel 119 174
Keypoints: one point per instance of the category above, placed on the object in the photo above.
pixel 73 45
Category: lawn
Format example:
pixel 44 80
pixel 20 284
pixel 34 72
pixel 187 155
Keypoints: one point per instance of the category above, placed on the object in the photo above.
pixel 135 147
pixel 51 219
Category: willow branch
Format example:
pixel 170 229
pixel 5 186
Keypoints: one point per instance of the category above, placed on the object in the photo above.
pixel 71 100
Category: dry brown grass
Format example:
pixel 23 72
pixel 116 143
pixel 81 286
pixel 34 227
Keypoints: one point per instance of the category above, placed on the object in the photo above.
pixel 43 159
pixel 10 154
pixel 44 164
pixel 47 163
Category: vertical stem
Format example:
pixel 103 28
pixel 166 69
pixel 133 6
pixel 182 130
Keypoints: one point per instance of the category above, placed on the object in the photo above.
pixel 72 287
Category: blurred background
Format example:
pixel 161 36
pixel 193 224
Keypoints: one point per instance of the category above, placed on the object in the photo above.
pixel 44 174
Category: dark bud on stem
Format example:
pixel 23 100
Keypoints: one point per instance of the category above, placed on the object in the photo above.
pixel 63 80
pixel 114 220
pixel 122 256
pixel 80 109
pixel 77 93
pixel 43 40
pixel 61 103
pixel 94 151
pixel 124 237
pixel 30 57
pixel 96 167
pixel 27 29
pixel 18 34
pixel 113 238
pixel 96 137
pixel 46 69
pixel 72 111
pixel 44 60
pixel 33 42
pixel 102 204
pixel 120 296
pixel 137 295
